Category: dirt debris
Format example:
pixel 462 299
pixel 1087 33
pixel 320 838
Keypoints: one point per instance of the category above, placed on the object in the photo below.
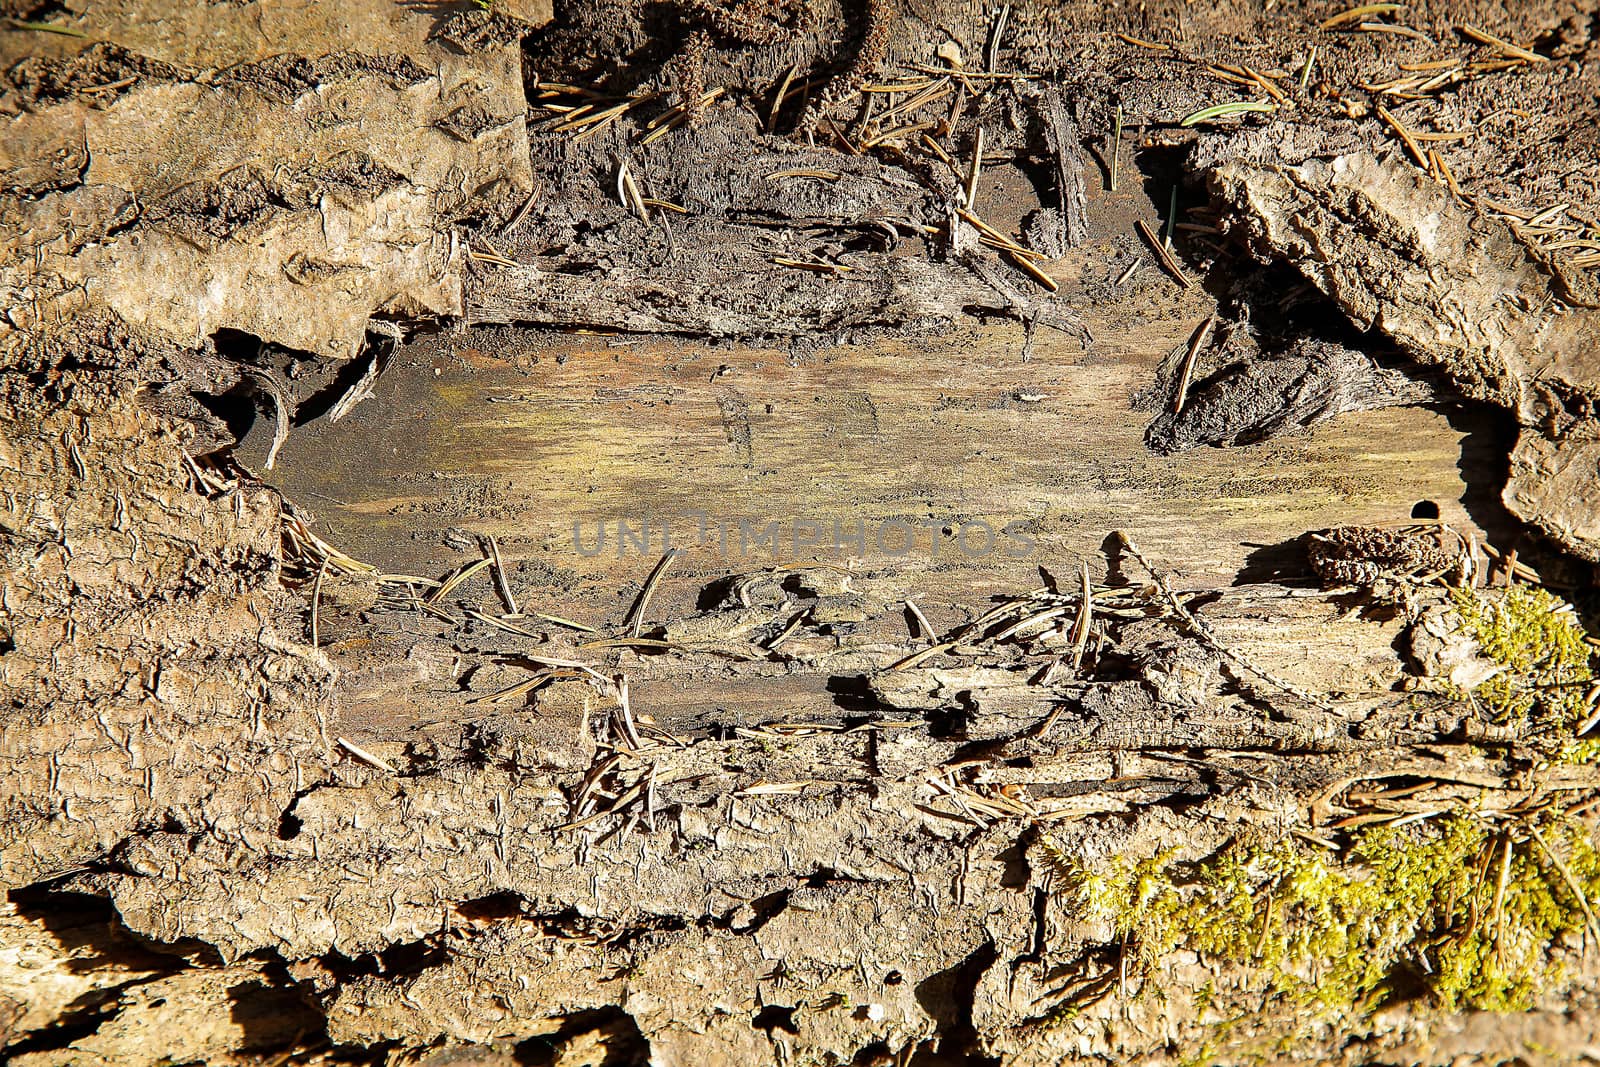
pixel 1256 398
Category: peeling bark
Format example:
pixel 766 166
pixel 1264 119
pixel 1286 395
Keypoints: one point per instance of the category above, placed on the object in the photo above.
pixel 1455 290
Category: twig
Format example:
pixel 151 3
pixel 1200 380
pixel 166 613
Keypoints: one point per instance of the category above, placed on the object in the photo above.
pixel 624 716
pixel 997 30
pixel 361 390
pixel 1592 706
pixel 1116 146
pixel 777 101
pixel 522 213
pixel 1025 261
pixel 282 410
pixel 510 628
pixel 824 175
pixel 922 621
pixel 820 266
pixel 1085 618
pixel 461 575
pixel 500 578
pixel 1572 883
pixel 366 757
pixel 316 601
pixel 1000 240
pixel 559 621
pixel 1404 134
pixel 1500 890
pixel 1162 254
pixel 1394 28
pixel 623 800
pixel 1235 107
pixel 1504 47
pixel 974 170
pixel 788 631
pixel 1139 42
pixel 628 191
pixel 1356 14
pixel 45 27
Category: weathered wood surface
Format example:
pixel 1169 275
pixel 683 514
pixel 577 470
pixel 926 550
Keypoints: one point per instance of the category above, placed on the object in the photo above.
pixel 487 433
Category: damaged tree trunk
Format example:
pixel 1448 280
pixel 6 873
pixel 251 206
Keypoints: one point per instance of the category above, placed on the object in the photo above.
pixel 707 533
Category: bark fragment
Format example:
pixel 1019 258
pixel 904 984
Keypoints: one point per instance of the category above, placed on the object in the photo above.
pixel 1055 230
pixel 1455 290
pixel 251 205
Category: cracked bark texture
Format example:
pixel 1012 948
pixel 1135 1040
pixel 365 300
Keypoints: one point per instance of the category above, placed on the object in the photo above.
pixel 285 173
pixel 147 679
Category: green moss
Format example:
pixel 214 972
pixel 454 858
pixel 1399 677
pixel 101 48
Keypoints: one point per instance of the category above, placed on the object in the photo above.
pixel 1469 912
pixel 1537 638
pixel 1335 936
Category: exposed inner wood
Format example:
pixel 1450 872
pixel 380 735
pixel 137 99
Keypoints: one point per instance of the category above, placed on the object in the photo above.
pixel 488 433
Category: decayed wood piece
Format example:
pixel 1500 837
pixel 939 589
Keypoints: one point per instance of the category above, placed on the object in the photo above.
pixel 732 288
pixel 1066 225
pixel 1261 396
pixel 786 241
pixel 584 457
